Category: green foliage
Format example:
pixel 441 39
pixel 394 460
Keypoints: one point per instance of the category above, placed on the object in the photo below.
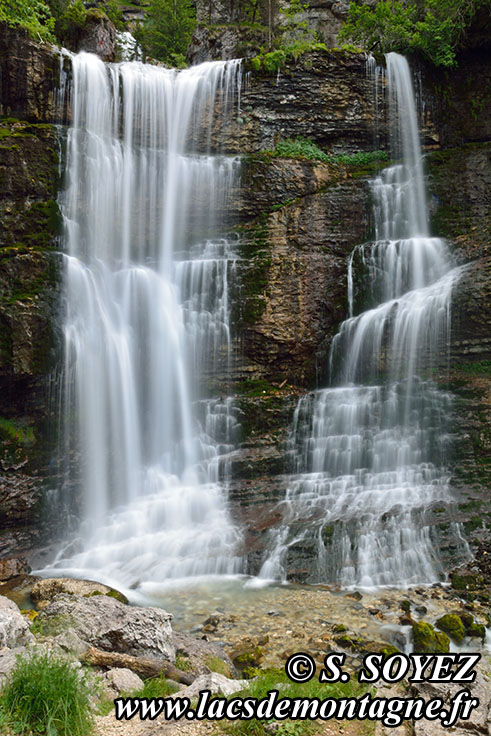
pixel 478 368
pixel 272 61
pixel 115 14
pixel 32 15
pixel 46 695
pixel 436 28
pixel 300 148
pixel 183 663
pixel 156 687
pixel 15 432
pixel 305 148
pixel 167 29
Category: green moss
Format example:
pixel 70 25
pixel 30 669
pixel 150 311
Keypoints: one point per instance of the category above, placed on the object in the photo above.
pixel 389 649
pixel 473 524
pixel 215 664
pixel 252 302
pixel 51 625
pixel 254 387
pixel 452 625
pixel 466 581
pixel 250 672
pixel 476 630
pixel 327 534
pixel 254 657
pixel 339 628
pixel 428 641
pixel 110 594
pixel 16 432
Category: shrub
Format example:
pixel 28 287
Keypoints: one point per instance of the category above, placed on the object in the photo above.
pixel 305 148
pixel 33 15
pixel 46 695
pixel 436 28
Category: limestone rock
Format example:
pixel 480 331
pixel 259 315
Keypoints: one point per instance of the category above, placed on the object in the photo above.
pixel 14 629
pixel 217 684
pixel 202 656
pixel 13 566
pixel 107 624
pixel 45 590
pixel 120 680
pixel 8 659
pixel 70 642
pixel 480 718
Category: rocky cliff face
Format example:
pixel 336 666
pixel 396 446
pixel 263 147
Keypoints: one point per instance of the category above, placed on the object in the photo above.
pixel 298 222
pixel 29 279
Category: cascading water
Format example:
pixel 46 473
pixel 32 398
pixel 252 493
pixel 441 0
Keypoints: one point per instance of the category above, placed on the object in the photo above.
pixel 146 285
pixel 368 453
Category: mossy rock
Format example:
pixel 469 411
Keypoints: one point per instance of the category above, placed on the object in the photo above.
pixel 215 664
pixel 52 625
pixel 452 625
pixel 476 630
pixel 246 654
pixel 339 629
pixel 348 642
pixel 428 641
pixel 466 581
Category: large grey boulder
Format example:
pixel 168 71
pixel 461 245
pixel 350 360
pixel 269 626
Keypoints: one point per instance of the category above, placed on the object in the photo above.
pixel 107 624
pixel 14 629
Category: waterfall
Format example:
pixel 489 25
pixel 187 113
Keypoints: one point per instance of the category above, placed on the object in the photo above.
pixel 368 454
pixel 147 315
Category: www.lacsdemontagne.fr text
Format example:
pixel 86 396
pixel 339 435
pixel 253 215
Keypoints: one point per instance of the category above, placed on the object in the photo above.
pixel 390 711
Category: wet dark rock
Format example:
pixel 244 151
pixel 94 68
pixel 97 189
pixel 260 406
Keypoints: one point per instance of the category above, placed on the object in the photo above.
pixel 29 76
pixel 98 35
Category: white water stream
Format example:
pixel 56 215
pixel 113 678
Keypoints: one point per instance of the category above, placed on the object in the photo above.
pixel 146 287
pixel 369 453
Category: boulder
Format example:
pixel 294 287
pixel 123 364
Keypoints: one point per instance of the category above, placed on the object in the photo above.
pixel 107 624
pixel 45 590
pixel 8 659
pixel 202 655
pixel 14 629
pixel 479 719
pixel 120 680
pixel 217 684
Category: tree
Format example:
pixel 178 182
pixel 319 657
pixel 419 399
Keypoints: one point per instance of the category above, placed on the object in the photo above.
pixel 167 30
pixel 436 28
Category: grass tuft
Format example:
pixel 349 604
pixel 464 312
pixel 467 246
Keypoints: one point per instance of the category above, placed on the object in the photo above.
pixel 45 695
